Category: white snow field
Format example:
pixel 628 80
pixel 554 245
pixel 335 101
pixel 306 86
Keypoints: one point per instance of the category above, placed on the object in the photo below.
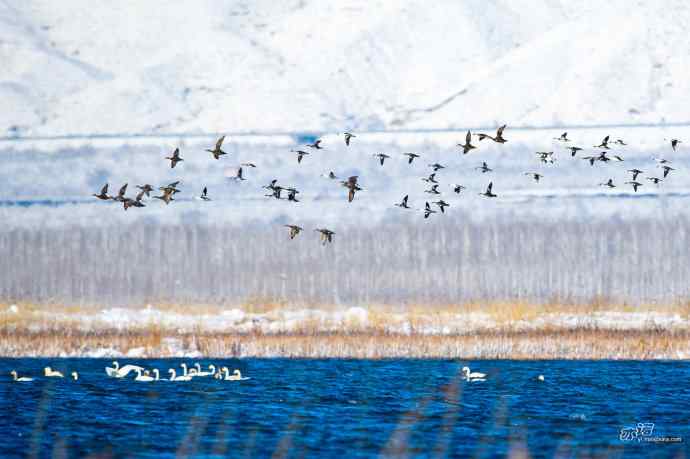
pixel 306 65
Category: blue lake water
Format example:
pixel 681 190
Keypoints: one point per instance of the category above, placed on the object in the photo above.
pixel 350 408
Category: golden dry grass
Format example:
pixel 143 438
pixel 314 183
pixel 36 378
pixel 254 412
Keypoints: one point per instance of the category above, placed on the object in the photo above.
pixel 507 329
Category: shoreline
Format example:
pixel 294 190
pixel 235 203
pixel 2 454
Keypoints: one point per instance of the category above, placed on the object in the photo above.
pixel 540 345
pixel 498 330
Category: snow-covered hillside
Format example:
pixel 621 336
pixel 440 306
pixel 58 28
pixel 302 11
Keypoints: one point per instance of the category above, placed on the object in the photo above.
pixel 310 65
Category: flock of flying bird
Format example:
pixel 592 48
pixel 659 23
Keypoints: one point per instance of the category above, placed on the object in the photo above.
pixel 352 184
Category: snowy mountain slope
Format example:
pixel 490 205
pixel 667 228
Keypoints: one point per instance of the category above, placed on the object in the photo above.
pixel 304 65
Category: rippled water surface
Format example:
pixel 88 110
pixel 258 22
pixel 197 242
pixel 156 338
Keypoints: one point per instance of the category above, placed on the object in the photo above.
pixel 349 408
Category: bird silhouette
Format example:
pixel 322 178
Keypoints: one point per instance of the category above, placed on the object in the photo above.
pixel 103 195
pixel 348 136
pixel 326 235
pixel 411 157
pixel 217 152
pixel 294 230
pixel 468 144
pixel 428 210
pixel 488 193
pixel 175 158
pixel 403 204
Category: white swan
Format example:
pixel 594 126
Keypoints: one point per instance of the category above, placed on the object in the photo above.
pixel 473 376
pixel 205 373
pixel 235 376
pixel 174 377
pixel 540 378
pixel 146 377
pixel 75 375
pixel 117 372
pixel 50 373
pixel 22 379
pixel 184 368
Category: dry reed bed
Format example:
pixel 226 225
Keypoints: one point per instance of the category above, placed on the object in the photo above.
pixel 574 344
pixel 511 330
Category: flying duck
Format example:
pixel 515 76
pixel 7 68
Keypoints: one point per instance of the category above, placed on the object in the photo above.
pixel 604 143
pixel 403 204
pixel 275 189
pixel 292 194
pixel 248 164
pixel 667 169
pixel 545 156
pixel 300 154
pixel 442 205
pixel 436 167
pixel 104 193
pixel 603 158
pixel 294 230
pixel 591 159
pixel 608 184
pixel 121 194
pixel 458 188
pixel 348 136
pixel 484 168
pixel 204 195
pixel 468 144
pixel 351 184
pixel 411 157
pixel 573 150
pixel 488 192
pixel 634 185
pixel 431 178
pixel 656 180
pixel 635 173
pixel 619 142
pixel 326 235
pixel 674 143
pixel 217 152
pixel 433 190
pixel 171 187
pixel 175 158
pixel 534 175
pixel 563 137
pixel 316 144
pixel 382 157
pixel 166 197
pixel 239 175
pixel 428 210
pixel 498 138
pixel 146 189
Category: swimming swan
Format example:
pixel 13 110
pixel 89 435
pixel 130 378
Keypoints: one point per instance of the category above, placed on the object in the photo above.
pixel 236 375
pixel 174 377
pixel 143 378
pixel 22 379
pixel 75 375
pixel 473 376
pixel 205 373
pixel 50 373
pixel 117 372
